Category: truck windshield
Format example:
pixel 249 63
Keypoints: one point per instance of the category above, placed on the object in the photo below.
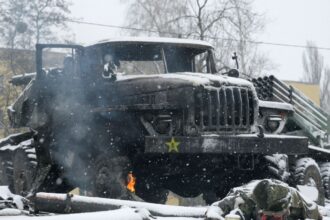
pixel 146 59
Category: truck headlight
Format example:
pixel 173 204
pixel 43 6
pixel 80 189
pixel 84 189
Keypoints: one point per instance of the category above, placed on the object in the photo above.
pixel 273 122
pixel 163 124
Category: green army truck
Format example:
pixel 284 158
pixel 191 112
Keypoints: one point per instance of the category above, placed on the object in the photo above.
pixel 156 110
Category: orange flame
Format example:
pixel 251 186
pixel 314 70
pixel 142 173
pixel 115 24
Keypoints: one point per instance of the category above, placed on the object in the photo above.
pixel 131 180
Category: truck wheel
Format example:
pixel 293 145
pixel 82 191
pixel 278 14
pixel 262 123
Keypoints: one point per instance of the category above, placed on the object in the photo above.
pixel 110 177
pixel 307 172
pixel 325 174
pixel 24 170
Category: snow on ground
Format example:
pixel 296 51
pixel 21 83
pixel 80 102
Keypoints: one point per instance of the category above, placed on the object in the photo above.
pixel 325 211
pixel 5 194
pixel 123 213
pixel 130 210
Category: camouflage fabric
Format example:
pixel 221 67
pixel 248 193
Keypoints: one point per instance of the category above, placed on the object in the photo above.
pixel 267 195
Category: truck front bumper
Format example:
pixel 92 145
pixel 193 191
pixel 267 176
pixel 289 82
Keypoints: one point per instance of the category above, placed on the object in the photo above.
pixel 229 144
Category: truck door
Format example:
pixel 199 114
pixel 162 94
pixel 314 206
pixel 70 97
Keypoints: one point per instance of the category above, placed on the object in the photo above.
pixel 61 103
pixel 58 82
pixel 58 59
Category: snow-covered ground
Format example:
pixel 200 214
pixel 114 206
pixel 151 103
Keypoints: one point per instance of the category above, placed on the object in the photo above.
pixel 325 211
pixel 122 213
pixel 125 209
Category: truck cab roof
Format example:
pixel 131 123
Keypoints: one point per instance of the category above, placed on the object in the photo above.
pixel 154 40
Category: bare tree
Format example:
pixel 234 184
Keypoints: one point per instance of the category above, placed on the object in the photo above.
pixel 11 14
pixel 244 25
pixel 325 92
pixel 315 72
pixel 229 24
pixel 312 63
pixel 47 16
pixel 23 23
pixel 157 16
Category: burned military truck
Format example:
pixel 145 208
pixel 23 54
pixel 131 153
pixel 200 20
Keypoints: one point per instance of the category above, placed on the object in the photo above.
pixel 155 109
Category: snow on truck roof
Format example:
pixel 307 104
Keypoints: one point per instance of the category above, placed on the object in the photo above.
pixel 155 40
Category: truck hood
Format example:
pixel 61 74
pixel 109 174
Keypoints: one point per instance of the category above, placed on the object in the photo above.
pixel 167 81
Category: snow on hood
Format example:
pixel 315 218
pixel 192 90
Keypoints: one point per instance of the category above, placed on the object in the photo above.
pixel 197 79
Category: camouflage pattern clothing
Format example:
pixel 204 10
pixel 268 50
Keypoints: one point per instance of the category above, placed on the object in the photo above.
pixel 264 196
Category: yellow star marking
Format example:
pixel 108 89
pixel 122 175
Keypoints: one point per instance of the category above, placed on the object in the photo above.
pixel 172 145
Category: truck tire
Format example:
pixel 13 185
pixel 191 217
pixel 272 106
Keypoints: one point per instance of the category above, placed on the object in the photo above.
pixel 307 172
pixel 110 175
pixel 24 169
pixel 277 166
pixel 325 174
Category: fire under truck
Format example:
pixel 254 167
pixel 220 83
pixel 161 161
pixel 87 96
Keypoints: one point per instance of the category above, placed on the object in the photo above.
pixel 157 112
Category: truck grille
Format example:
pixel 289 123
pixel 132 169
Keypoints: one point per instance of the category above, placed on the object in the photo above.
pixel 224 109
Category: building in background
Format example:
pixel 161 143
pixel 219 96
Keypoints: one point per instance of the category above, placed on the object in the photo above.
pixel 312 91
